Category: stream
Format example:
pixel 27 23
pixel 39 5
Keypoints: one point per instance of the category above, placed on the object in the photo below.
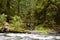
pixel 25 36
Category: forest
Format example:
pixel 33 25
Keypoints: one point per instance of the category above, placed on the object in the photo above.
pixel 23 15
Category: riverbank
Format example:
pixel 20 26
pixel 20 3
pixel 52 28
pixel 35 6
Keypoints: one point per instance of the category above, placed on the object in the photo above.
pixel 23 30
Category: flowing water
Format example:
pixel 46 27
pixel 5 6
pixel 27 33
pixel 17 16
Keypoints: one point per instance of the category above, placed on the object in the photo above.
pixel 22 36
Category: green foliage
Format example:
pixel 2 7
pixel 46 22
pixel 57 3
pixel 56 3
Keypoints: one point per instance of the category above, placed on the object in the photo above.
pixel 2 18
pixel 16 18
pixel 32 12
pixel 16 22
pixel 42 29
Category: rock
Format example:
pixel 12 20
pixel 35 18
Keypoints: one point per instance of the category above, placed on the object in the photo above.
pixel 5 27
pixel 34 32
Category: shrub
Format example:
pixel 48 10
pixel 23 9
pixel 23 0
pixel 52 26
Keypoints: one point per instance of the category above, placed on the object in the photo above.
pixel 17 23
pixel 42 29
pixel 2 18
